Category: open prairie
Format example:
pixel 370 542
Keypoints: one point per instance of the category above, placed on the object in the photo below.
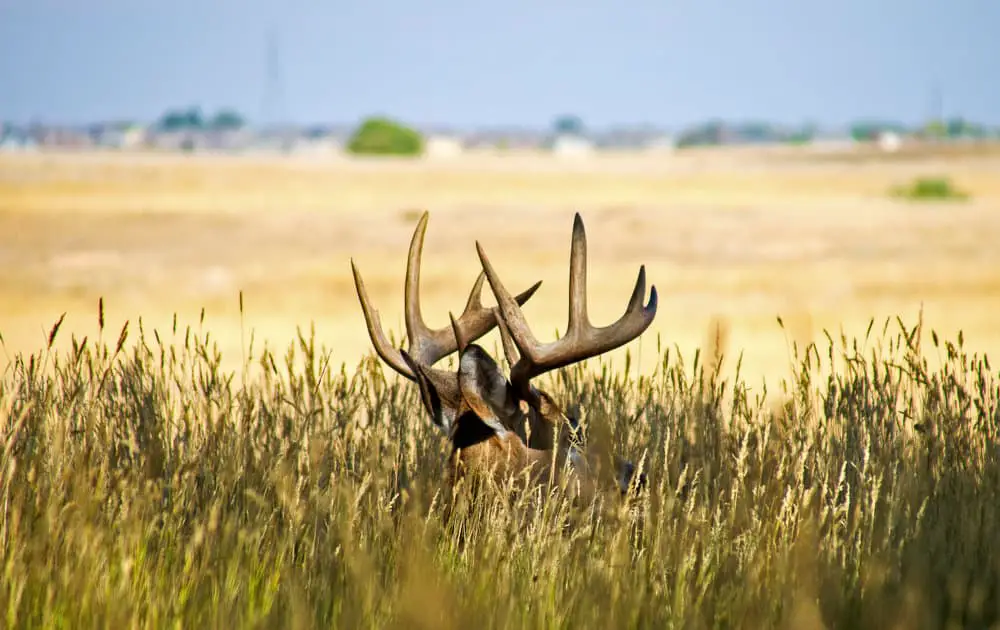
pixel 147 490
pixel 731 239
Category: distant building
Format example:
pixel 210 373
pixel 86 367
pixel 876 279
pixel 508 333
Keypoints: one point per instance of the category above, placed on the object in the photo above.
pixel 569 145
pixel 443 146
pixel 14 139
pixel 509 139
pixel 889 141
pixel 174 141
pixel 318 145
pixel 122 136
pixel 12 143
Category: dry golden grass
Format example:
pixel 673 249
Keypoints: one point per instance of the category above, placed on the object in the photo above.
pixel 730 238
pixel 142 488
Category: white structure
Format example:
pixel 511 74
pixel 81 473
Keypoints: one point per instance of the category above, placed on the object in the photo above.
pixel 318 147
pixel 572 146
pixel 441 146
pixel 889 141
pixel 12 144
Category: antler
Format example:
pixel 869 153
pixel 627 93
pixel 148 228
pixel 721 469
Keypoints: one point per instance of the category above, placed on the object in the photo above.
pixel 582 340
pixel 427 346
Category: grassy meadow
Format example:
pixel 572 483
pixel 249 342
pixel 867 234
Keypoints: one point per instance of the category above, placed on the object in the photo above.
pixel 215 446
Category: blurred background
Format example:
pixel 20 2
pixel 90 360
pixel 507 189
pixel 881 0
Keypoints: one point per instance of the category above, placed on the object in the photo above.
pixel 826 164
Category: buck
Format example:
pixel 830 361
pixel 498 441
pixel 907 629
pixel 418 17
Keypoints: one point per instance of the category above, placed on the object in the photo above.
pixel 497 425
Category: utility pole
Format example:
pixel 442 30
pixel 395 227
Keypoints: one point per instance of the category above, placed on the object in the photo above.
pixel 273 98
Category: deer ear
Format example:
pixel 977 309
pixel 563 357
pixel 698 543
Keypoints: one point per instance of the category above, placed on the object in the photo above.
pixel 485 389
pixel 438 392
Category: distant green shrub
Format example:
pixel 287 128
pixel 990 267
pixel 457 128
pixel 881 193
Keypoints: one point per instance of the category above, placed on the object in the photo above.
pixel 382 136
pixel 930 189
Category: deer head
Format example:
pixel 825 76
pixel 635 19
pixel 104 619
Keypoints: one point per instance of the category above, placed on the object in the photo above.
pixel 496 424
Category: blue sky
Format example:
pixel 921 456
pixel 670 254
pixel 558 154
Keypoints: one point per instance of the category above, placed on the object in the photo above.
pixel 469 62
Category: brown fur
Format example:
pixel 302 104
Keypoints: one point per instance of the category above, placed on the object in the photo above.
pixel 499 434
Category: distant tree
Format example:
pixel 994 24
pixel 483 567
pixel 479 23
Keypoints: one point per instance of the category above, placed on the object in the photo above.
pixel 181 120
pixel 959 127
pixel 800 136
pixel 705 134
pixel 955 127
pixel 871 129
pixel 568 125
pixel 862 131
pixel 804 134
pixel 383 136
pixel 935 129
pixel 227 120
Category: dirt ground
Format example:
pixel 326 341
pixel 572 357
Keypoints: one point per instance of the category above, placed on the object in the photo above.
pixel 730 238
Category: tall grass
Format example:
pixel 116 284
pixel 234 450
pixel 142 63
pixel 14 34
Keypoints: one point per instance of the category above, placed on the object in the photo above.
pixel 143 487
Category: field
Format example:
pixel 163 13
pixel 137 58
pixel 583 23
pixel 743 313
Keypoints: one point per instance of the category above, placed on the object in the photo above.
pixel 851 483
pixel 732 241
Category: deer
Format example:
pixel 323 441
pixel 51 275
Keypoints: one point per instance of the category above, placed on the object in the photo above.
pixel 500 426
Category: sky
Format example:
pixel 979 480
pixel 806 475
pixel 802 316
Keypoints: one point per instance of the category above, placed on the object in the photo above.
pixel 519 62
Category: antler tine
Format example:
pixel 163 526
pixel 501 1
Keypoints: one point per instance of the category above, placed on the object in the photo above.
pixel 477 320
pixel 510 313
pixel 582 340
pixel 427 346
pixel 475 301
pixel 456 328
pixel 578 278
pixel 419 334
pixel 509 349
pixel 383 347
